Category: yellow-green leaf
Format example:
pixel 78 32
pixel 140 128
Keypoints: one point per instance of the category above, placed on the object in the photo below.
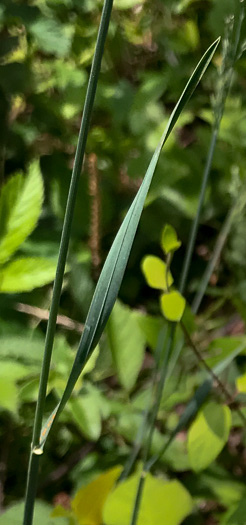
pixel 20 206
pixel 172 306
pixel 241 383
pixel 208 435
pixel 154 270
pixel 169 239
pixel 162 503
pixel 127 4
pixel 25 274
pixel 89 501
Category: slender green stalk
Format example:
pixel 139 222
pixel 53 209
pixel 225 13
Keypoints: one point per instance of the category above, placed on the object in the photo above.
pixel 195 224
pixel 51 327
pixel 143 429
pixel 221 240
pixel 230 50
pixel 160 386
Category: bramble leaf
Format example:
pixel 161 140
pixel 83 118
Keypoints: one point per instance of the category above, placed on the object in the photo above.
pixel 20 207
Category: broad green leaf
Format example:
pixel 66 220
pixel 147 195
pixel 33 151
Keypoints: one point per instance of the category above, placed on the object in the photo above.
pixel 208 434
pixel 89 501
pixel 176 457
pixel 162 502
pixel 155 273
pixel 126 343
pixel 224 350
pixel 150 326
pixel 20 206
pixel 172 305
pixel 23 275
pixel 86 413
pixel 227 489
pixel 8 394
pixel 14 515
pixel 13 370
pixel 169 239
pixel 28 350
pixel 189 413
pixel 113 270
pixel 10 373
pixel 236 514
pixel 52 36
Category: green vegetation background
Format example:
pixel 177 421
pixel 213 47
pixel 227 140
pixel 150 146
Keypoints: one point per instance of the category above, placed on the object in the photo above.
pixel 46 49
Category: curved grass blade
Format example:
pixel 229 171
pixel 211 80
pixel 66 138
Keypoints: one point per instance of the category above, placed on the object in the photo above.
pixel 113 270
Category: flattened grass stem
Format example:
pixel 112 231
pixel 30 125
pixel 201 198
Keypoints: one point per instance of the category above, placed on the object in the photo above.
pixel 51 327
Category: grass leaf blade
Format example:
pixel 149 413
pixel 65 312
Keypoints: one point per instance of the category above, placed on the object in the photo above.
pixel 113 270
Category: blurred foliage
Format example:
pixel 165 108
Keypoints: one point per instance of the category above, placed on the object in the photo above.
pixel 46 49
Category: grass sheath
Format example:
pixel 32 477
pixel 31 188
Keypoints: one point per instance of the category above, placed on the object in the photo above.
pixel 51 327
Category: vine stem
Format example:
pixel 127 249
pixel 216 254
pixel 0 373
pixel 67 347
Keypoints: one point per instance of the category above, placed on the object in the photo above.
pixel 32 478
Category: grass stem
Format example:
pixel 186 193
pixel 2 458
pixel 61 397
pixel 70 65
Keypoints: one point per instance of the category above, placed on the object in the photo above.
pixel 230 49
pixel 51 327
pixel 167 349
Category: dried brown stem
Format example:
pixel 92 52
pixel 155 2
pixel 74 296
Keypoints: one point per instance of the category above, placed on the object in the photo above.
pixel 95 214
pixel 43 315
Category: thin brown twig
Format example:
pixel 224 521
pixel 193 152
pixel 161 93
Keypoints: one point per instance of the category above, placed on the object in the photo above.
pixel 43 315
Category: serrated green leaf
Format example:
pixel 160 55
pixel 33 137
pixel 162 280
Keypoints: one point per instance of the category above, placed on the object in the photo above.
pixel 162 502
pixel 23 275
pixel 113 270
pixel 20 206
pixel 169 239
pixel 172 305
pixel 126 343
pixel 155 272
pixel 208 434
